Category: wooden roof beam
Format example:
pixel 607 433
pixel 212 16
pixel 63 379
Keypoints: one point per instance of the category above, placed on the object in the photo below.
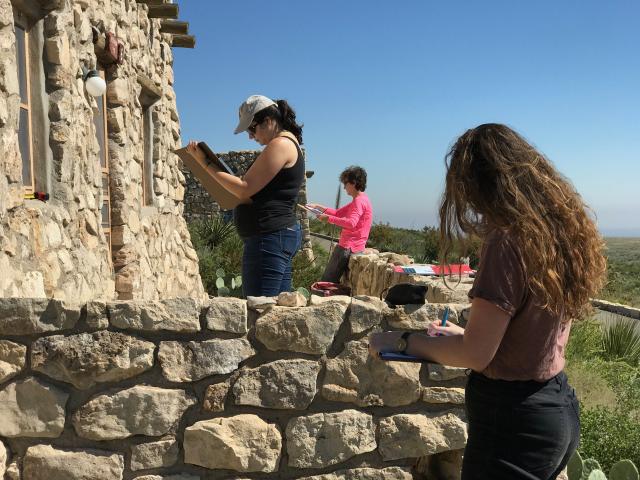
pixel 152 2
pixel 183 41
pixel 174 26
pixel 166 10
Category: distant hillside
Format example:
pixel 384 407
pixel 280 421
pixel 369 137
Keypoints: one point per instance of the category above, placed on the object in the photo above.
pixel 623 286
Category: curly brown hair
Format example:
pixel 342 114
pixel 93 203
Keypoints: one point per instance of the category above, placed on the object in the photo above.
pixel 356 175
pixel 497 180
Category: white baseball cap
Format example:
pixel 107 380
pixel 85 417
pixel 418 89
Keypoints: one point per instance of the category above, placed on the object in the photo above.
pixel 249 108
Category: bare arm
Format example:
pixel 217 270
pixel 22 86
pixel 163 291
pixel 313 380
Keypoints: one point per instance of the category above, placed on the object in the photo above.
pixel 474 348
pixel 278 154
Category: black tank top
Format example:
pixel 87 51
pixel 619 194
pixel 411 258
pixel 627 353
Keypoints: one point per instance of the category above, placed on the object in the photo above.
pixel 273 207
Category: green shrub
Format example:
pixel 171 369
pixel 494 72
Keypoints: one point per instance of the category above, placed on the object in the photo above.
pixel 609 435
pixel 621 341
pixel 219 248
pixel 304 272
pixel 585 341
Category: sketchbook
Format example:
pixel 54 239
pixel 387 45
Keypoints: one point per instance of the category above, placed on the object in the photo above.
pixel 315 211
pixel 204 171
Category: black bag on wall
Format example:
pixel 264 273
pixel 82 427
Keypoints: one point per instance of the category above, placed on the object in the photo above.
pixel 406 293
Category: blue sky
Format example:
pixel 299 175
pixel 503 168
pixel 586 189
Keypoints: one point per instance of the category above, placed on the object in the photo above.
pixel 390 85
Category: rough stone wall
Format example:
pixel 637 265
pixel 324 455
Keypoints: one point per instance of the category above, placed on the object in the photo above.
pixel 58 248
pixel 373 273
pixel 179 390
pixel 199 205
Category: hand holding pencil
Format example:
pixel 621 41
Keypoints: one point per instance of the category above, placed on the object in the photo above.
pixel 443 327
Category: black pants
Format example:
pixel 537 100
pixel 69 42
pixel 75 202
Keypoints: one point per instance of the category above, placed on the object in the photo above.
pixel 519 430
pixel 337 264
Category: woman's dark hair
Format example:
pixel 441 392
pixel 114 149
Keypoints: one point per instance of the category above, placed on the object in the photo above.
pixel 284 115
pixel 356 175
pixel 498 180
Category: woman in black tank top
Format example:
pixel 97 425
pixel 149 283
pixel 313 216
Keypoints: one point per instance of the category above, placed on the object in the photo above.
pixel 267 221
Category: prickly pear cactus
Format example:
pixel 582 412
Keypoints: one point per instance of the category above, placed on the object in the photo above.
pixel 624 470
pixel 574 467
pixel 588 466
pixel 597 475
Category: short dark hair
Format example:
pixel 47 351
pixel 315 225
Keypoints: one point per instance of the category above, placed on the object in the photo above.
pixel 356 175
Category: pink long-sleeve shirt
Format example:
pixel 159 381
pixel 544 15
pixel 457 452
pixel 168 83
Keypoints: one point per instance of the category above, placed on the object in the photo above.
pixel 355 219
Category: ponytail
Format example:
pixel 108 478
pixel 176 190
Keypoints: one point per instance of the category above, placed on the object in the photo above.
pixel 284 115
pixel 288 118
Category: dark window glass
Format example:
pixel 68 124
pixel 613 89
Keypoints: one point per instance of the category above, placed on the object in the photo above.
pixel 21 49
pixel 105 215
pixel 147 166
pixel 105 185
pixel 25 151
pixel 98 120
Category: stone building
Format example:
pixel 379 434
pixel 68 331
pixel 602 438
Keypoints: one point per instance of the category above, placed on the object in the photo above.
pixel 112 225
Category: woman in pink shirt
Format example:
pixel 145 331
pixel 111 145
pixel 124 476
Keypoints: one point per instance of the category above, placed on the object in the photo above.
pixel 355 220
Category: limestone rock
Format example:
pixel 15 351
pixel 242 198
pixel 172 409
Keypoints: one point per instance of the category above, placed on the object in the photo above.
pixel 286 384
pixel 139 410
pixel 291 299
pixel 356 377
pixel 12 359
pixel 323 439
pixel 90 358
pixel 440 293
pixel 260 303
pixel 191 361
pixel 13 472
pixel 227 314
pixel 31 408
pixel 318 300
pixel 418 317
pixel 174 314
pixel 244 443
pixel 389 473
pixel 43 462
pixel 3 459
pixel 442 373
pixel 28 316
pixel 177 476
pixel 365 313
pixel 215 397
pixel 443 395
pixel 97 315
pixel 416 435
pixel 303 329
pixel 162 453
pixel 396 258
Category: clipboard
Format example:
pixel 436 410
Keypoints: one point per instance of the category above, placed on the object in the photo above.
pixel 204 171
pixel 401 357
pixel 315 211
pixel 217 161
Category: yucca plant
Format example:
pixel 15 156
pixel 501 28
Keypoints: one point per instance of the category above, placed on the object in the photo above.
pixel 214 231
pixel 621 341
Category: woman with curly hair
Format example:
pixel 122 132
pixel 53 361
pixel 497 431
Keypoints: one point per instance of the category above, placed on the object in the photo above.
pixel 540 263
pixel 354 218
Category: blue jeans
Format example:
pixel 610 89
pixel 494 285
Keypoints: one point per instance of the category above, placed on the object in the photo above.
pixel 519 430
pixel 266 261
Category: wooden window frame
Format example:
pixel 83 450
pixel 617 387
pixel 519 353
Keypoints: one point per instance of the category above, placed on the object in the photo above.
pixel 21 21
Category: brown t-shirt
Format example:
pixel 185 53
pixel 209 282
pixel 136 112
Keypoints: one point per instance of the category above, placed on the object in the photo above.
pixel 533 345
